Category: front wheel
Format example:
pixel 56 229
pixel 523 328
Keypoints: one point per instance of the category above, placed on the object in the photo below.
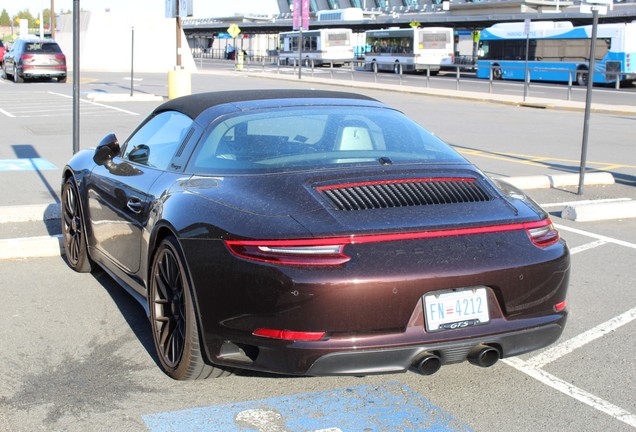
pixel 497 73
pixel 174 326
pixel 73 233
pixel 581 77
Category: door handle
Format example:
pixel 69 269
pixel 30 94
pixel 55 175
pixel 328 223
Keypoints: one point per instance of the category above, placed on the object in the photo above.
pixel 134 205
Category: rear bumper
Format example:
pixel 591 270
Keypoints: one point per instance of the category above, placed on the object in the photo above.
pixel 375 355
pixel 402 359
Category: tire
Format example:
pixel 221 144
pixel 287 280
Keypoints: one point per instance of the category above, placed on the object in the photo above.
pixel 174 327
pixel 581 77
pixel 16 77
pixel 497 73
pixel 73 232
pixel 374 67
pixel 396 68
pixel 61 79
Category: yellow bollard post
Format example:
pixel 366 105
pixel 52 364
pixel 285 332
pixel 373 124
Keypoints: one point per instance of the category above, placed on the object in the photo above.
pixel 179 83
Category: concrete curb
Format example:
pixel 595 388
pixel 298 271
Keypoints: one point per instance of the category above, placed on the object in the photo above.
pixel 31 247
pixel 559 180
pixel 596 212
pixel 30 213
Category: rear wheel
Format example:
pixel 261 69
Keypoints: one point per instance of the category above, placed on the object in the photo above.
pixel 17 78
pixel 174 326
pixel 61 79
pixel 73 234
pixel 374 67
pixel 581 77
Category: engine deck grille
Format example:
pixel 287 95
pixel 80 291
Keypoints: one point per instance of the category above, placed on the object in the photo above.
pixel 404 193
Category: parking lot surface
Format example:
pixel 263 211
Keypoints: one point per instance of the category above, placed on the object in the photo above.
pixel 77 350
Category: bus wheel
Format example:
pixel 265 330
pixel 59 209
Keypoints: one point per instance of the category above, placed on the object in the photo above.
pixel 581 77
pixel 374 67
pixel 396 68
pixel 497 73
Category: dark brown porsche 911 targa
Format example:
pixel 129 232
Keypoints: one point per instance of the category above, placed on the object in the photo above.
pixel 312 233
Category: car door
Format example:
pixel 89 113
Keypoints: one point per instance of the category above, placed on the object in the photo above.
pixel 9 58
pixel 119 197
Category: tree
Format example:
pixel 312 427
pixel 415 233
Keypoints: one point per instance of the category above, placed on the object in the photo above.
pixel 5 19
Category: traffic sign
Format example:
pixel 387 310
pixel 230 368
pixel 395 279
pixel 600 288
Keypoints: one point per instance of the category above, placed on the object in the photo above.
pixel 234 30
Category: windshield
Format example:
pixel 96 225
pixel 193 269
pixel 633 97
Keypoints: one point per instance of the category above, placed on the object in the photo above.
pixel 315 137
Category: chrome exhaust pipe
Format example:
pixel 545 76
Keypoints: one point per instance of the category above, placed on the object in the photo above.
pixel 427 364
pixel 483 355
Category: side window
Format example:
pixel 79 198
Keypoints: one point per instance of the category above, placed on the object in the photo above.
pixel 157 141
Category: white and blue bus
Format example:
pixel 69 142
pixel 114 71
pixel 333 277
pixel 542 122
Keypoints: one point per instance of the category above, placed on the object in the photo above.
pixel 409 49
pixel 558 52
pixel 322 46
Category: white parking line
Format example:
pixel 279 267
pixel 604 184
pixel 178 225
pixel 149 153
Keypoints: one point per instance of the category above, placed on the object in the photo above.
pixel 97 104
pixel 598 201
pixel 564 387
pixel 587 246
pixel 584 338
pixel 596 236
pixel 6 113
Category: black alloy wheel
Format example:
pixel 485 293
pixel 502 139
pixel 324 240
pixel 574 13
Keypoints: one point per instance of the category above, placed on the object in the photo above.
pixel 174 327
pixel 73 234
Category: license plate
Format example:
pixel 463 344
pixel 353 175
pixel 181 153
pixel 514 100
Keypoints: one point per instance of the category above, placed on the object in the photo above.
pixel 445 310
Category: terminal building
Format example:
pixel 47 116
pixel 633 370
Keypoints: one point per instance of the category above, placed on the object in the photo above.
pixel 259 33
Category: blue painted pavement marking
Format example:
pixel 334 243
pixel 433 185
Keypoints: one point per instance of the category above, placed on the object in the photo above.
pixel 389 407
pixel 26 164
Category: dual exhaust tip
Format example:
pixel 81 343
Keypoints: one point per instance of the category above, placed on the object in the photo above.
pixel 481 355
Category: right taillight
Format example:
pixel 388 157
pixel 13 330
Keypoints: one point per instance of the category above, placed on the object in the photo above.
pixel 543 235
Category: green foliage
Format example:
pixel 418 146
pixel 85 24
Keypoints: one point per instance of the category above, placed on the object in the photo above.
pixel 5 19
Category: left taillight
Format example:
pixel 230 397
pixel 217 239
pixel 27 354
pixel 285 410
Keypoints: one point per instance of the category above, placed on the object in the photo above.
pixel 544 234
pixel 290 252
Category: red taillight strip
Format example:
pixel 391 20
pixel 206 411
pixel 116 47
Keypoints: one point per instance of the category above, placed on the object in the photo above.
pixel 380 182
pixel 257 249
pixel 288 334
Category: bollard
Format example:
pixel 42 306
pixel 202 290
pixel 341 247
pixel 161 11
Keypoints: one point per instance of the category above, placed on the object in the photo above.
pixel 179 83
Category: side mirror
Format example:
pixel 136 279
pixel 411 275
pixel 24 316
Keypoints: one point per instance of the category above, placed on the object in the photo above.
pixel 107 148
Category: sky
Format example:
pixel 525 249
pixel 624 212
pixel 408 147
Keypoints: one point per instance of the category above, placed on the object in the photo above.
pixel 202 8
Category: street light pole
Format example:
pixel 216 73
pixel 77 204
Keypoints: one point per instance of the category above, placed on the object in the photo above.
pixel 588 100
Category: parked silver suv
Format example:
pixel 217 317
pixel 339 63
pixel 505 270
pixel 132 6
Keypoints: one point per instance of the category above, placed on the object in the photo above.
pixel 34 58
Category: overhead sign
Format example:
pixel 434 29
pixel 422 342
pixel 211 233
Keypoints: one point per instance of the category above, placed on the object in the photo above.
pixel 301 15
pixel 234 30
pixel 179 8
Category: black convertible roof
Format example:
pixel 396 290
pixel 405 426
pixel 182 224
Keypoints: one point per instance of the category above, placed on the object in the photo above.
pixel 193 105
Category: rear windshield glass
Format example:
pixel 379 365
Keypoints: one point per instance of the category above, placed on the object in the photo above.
pixel 315 137
pixel 42 47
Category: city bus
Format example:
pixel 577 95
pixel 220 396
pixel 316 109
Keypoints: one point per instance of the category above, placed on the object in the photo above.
pixel 322 46
pixel 558 52
pixel 412 49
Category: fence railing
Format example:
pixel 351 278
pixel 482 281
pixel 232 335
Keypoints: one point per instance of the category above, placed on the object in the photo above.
pixel 355 67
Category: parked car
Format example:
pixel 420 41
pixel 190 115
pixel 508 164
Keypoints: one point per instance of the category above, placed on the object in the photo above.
pixel 2 52
pixel 312 233
pixel 34 58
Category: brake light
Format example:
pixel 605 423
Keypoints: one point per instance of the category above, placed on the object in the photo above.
pixel 544 235
pixel 289 335
pixel 329 251
pixel 26 56
pixel 560 306
pixel 291 252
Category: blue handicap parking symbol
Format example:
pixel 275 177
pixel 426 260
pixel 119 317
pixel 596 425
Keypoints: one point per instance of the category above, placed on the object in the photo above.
pixel 26 164
pixel 389 407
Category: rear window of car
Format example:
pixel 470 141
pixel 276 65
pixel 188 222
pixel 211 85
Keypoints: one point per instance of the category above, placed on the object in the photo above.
pixel 315 137
pixel 42 48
